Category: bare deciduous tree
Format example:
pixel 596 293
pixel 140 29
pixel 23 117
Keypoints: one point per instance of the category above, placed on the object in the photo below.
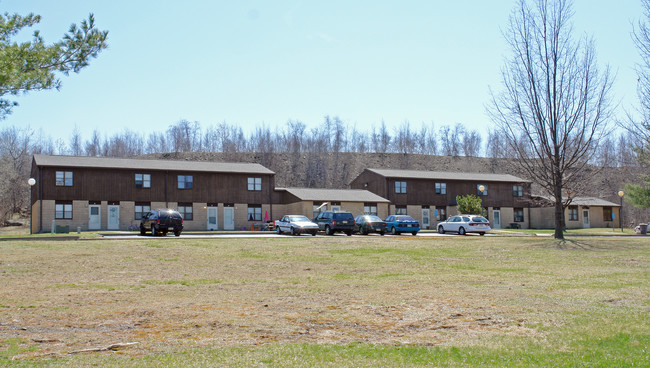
pixel 554 97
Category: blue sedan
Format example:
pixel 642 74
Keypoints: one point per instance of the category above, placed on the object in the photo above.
pixel 398 224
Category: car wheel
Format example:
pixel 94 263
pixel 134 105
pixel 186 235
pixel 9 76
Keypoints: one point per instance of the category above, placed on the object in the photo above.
pixel 348 233
pixel 441 230
pixel 381 233
pixel 143 231
pixel 414 232
pixel 153 231
pixel 363 231
pixel 177 233
pixel 293 231
pixel 393 231
pixel 313 233
pixel 164 233
pixel 481 234
pixel 328 230
pixel 278 230
pixel 461 231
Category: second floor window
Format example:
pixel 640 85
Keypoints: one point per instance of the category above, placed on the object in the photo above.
pixel 441 188
pixel 185 182
pixel 400 187
pixel 517 191
pixel 143 180
pixel 255 184
pixel 480 192
pixel 64 178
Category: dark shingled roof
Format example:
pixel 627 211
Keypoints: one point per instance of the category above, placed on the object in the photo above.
pixel 334 195
pixel 155 165
pixel 447 175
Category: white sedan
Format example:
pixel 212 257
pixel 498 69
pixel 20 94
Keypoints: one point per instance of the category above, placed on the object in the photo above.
pixel 296 225
pixel 463 224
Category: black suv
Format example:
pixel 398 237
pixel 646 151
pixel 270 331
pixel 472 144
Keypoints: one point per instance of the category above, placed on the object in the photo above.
pixel 335 221
pixel 159 222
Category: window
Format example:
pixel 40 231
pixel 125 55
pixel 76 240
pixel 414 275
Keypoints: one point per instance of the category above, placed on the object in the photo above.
pixel 185 181
pixel 400 210
pixel 480 192
pixel 63 210
pixel 186 210
pixel 441 214
pixel 517 191
pixel 519 215
pixel 64 178
pixel 254 212
pixel 400 187
pixel 141 209
pixel 441 188
pixel 254 183
pixel 608 214
pixel 370 209
pixel 573 213
pixel 316 210
pixel 143 180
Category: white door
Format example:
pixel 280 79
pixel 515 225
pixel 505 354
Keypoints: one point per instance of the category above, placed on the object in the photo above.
pixel 585 218
pixel 94 217
pixel 496 222
pixel 426 222
pixel 113 217
pixel 229 218
pixel 212 218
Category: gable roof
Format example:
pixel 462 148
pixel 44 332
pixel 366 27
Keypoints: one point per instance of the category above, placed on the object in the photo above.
pixel 582 201
pixel 153 165
pixel 334 195
pixel 447 175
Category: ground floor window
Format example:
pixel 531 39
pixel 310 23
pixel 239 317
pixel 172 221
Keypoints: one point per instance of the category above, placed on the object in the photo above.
pixel 400 210
pixel 141 209
pixel 608 214
pixel 441 214
pixel 186 210
pixel 573 213
pixel 370 209
pixel 254 212
pixel 519 214
pixel 63 210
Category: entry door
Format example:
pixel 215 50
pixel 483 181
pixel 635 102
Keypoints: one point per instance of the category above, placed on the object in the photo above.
pixel 496 222
pixel 585 219
pixel 113 217
pixel 212 218
pixel 426 222
pixel 229 218
pixel 94 217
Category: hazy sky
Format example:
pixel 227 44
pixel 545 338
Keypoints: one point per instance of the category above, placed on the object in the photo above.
pixel 267 62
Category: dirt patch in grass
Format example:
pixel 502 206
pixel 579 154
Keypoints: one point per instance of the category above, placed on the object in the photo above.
pixel 62 297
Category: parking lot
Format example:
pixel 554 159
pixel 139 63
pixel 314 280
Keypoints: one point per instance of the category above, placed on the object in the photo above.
pixel 221 235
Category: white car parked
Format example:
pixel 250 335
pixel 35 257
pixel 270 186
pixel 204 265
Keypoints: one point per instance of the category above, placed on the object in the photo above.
pixel 296 225
pixel 463 224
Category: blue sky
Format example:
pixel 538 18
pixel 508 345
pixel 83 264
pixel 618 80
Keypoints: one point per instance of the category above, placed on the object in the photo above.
pixel 267 62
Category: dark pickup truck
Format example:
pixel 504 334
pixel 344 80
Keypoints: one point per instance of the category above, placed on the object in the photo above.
pixel 161 221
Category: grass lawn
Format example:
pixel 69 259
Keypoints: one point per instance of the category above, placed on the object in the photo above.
pixel 327 301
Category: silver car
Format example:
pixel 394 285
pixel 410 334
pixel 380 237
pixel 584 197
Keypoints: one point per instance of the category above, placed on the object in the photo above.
pixel 463 224
pixel 296 225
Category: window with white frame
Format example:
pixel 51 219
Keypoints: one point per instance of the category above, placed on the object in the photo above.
pixel 370 209
pixel 185 181
pixel 141 209
pixel 255 184
pixel 186 210
pixel 441 188
pixel 254 212
pixel 64 178
pixel 400 187
pixel 63 210
pixel 143 180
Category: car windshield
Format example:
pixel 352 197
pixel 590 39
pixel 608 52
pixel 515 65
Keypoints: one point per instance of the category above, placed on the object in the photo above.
pixel 298 219
pixel 404 218
pixel 343 216
pixel 372 219
pixel 479 219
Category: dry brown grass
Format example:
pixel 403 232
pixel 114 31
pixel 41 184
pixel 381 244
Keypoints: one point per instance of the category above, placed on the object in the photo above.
pixel 169 293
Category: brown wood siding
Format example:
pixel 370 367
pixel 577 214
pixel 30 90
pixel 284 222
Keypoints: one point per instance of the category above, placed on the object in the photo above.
pixel 119 185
